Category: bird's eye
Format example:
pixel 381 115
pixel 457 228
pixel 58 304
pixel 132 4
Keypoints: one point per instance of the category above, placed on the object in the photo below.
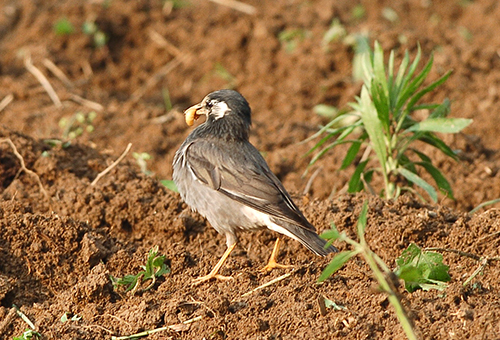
pixel 211 103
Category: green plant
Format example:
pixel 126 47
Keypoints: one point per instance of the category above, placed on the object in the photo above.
pixel 63 27
pixel 142 159
pixel 155 267
pixel 358 12
pixel 290 38
pixel 64 317
pixel 422 269
pixel 335 32
pixel 380 270
pixel 77 124
pixel 91 29
pixel 382 123
pixel 28 334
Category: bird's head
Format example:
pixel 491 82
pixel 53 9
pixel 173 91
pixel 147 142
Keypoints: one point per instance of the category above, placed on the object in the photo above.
pixel 226 109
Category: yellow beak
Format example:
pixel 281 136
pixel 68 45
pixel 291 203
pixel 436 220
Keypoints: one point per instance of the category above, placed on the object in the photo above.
pixel 191 114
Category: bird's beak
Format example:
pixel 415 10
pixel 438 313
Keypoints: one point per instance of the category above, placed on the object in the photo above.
pixel 191 114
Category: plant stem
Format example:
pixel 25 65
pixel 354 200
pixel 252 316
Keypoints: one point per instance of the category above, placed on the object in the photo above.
pixel 386 287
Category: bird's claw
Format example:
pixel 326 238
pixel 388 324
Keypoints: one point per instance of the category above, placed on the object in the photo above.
pixel 208 277
pixel 273 265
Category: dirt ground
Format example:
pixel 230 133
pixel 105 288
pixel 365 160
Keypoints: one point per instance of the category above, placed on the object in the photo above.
pixel 58 248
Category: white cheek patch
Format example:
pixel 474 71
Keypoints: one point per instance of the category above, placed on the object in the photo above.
pixel 219 110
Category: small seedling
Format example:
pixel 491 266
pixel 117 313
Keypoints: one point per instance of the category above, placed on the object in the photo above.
pixel 64 317
pixel 336 32
pixel 77 124
pixel 422 269
pixel 155 267
pixel 390 15
pixel 166 99
pixel 383 124
pixel 142 159
pixel 63 27
pixel 91 29
pixel 28 334
pixel 358 12
pixel 380 270
pixel 290 38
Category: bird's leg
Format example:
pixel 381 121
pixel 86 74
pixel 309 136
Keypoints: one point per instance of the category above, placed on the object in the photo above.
pixel 272 260
pixel 214 273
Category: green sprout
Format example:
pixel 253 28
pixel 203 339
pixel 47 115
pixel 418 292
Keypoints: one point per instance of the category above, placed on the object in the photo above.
pixel 422 269
pixel 63 27
pixel 77 124
pixel 380 270
pixel 358 12
pixel 155 267
pixel 290 38
pixel 335 32
pixel 28 334
pixel 142 159
pixel 382 124
pixel 64 317
pixel 91 29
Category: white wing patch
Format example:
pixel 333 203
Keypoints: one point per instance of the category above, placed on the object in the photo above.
pixel 263 220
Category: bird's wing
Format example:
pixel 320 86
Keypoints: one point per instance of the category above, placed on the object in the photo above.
pixel 243 175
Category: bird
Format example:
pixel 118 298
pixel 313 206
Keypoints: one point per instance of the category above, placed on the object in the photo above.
pixel 222 176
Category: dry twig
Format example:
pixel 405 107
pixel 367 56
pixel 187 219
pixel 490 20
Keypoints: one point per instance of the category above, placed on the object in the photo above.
pixel 311 180
pixel 267 284
pixel 237 5
pixel 183 326
pixel 85 102
pixel 24 168
pixel 109 168
pixel 6 101
pixel 43 80
pixel 57 72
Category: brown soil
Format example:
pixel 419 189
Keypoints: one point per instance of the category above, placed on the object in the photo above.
pixel 58 251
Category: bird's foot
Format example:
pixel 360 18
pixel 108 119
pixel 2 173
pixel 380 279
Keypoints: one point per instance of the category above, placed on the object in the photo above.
pixel 210 276
pixel 273 265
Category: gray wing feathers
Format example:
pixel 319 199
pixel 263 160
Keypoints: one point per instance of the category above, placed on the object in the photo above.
pixel 251 182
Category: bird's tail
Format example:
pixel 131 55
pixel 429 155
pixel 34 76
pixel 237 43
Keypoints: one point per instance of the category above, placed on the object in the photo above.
pixel 307 237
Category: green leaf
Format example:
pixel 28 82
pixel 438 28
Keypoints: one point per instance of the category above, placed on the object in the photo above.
pixel 427 89
pixel 414 178
pixel 355 183
pixel 422 269
pixel 444 125
pixel 362 220
pixel 326 110
pixel 432 139
pixel 336 263
pixel 438 177
pixel 373 127
pixel 63 27
pixel 497 200
pixel 441 110
pixel 332 234
pixel 169 184
pixel 351 154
